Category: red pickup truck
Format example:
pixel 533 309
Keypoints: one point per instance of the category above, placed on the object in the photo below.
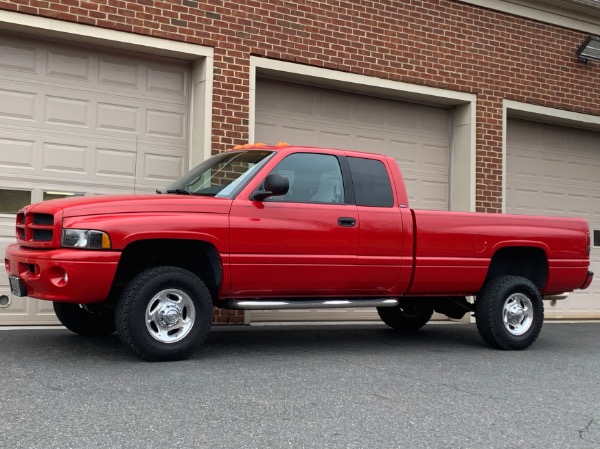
pixel 266 227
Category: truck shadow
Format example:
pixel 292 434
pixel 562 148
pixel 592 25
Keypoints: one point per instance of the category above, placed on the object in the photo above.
pixel 335 338
pixel 316 340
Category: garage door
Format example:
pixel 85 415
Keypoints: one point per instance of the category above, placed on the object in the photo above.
pixel 553 170
pixel 417 136
pixel 75 120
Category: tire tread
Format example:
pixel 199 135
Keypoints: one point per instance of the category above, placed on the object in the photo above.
pixel 488 306
pixel 124 307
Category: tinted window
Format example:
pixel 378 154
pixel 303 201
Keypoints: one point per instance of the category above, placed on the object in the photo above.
pixel 314 178
pixel 371 183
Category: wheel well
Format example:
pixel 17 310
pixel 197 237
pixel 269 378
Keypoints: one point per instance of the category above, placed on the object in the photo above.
pixel 530 263
pixel 200 258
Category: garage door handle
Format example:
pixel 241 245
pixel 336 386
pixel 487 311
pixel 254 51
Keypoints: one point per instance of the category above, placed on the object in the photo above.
pixel 347 222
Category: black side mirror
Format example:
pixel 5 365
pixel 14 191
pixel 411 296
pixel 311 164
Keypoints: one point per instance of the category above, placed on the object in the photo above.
pixel 274 185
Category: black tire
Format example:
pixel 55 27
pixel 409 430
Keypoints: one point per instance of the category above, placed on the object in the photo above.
pixel 91 320
pixel 405 317
pixel 509 312
pixel 164 313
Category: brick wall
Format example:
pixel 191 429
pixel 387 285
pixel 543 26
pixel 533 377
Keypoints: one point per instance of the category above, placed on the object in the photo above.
pixel 438 43
pixel 445 44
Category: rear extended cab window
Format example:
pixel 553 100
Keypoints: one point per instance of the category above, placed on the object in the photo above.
pixel 371 181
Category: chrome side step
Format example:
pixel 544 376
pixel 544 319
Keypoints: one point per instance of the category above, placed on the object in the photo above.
pixel 268 304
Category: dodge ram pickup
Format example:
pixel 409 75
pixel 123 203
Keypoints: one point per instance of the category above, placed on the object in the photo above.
pixel 267 227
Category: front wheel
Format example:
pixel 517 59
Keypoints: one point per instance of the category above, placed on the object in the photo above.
pixel 88 320
pixel 509 312
pixel 164 313
pixel 405 317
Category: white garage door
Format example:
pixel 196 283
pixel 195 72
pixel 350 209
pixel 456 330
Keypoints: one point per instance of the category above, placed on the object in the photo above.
pixel 417 136
pixel 75 120
pixel 553 170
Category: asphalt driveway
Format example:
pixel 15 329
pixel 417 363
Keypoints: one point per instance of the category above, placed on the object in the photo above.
pixel 343 386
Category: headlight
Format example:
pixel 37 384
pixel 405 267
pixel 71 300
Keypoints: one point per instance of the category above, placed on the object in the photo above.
pixel 84 238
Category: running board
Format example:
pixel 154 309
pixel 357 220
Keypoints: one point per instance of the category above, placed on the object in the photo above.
pixel 309 304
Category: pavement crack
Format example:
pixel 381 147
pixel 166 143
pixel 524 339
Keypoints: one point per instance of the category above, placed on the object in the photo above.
pixel 586 429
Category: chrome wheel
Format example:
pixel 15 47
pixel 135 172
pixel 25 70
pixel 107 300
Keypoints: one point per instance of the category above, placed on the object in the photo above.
pixel 170 315
pixel 517 314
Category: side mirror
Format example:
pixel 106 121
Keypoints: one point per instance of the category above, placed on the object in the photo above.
pixel 274 185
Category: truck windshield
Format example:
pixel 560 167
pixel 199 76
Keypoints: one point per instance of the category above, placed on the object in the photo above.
pixel 223 175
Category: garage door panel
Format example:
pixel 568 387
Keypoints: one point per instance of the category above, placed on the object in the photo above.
pixel 65 158
pixel 434 193
pixel 553 138
pixel 116 72
pixel 522 165
pixel 435 158
pixel 406 151
pixel 16 152
pixel 374 143
pixel 333 139
pixel 166 79
pixel 122 118
pixel 370 111
pixel 335 106
pixel 398 115
pixel 67 111
pixel 17 104
pixel 552 170
pixel 160 165
pixel 292 133
pixel 166 124
pixel 115 162
pixel 18 56
pixel 69 65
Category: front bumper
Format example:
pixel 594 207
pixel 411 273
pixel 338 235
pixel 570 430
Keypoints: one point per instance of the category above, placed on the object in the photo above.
pixel 89 274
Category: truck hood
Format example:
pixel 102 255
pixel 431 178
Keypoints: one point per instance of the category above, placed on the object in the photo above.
pixel 123 204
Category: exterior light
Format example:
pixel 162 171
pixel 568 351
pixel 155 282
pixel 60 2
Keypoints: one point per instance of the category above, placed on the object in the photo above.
pixel 590 49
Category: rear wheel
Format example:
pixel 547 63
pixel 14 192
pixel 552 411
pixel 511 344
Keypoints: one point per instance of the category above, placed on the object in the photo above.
pixel 509 312
pixel 164 313
pixel 88 320
pixel 405 317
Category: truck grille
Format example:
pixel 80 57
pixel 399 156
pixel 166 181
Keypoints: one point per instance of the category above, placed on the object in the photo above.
pixel 43 219
pixel 35 227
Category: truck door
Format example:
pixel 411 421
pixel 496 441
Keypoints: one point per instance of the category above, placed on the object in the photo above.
pixel 382 264
pixel 301 243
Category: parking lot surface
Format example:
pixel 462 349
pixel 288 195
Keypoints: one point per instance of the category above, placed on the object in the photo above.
pixel 308 386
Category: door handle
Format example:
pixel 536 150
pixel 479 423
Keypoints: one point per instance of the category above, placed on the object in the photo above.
pixel 347 222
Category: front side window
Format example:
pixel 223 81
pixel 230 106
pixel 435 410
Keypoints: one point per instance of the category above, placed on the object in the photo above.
pixel 314 178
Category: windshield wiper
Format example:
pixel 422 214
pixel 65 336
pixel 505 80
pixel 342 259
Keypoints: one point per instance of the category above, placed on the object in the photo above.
pixel 179 191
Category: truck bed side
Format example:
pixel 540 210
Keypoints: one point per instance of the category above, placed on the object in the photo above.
pixel 456 251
